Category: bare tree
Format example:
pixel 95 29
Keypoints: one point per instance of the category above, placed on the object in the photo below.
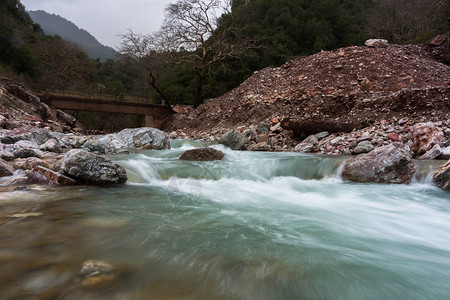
pixel 196 33
pixel 143 50
pixel 403 20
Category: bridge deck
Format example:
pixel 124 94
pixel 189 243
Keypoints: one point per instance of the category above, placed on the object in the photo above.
pixel 155 115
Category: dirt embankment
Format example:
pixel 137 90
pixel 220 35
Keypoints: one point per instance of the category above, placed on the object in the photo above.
pixel 335 91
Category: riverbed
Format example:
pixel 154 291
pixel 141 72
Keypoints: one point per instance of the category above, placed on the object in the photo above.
pixel 253 226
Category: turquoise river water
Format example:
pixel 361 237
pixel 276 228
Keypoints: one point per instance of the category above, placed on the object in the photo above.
pixel 253 226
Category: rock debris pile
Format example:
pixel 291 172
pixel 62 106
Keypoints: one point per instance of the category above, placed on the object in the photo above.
pixel 354 98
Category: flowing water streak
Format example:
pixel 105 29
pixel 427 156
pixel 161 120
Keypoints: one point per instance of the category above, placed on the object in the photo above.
pixel 264 226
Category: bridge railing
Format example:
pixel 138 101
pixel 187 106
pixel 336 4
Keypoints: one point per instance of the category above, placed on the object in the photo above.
pixel 87 96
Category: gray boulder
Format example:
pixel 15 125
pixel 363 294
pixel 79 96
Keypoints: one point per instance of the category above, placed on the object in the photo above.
pixel 90 168
pixel 51 145
pixel 433 153
pixel 202 154
pixel 321 135
pixel 445 153
pixel 308 145
pixel 34 135
pixel 375 43
pixel 6 155
pixel 363 147
pixel 135 138
pixel 25 152
pixel 387 164
pixel 233 139
pixel 260 147
pixel 441 177
pixel 5 169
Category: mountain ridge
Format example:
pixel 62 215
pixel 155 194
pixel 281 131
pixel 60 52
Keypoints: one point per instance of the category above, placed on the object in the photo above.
pixel 53 24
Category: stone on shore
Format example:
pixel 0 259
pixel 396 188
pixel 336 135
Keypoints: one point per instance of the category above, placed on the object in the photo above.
pixel 42 175
pixel 202 154
pixel 308 145
pixel 375 43
pixel 233 139
pixel 90 168
pixel 5 169
pixel 30 163
pixel 387 164
pixel 363 147
pixel 445 153
pixel 433 153
pixel 134 138
pixel 441 177
pixel 425 136
pixel 263 146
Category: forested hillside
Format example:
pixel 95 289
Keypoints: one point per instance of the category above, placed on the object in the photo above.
pixel 56 25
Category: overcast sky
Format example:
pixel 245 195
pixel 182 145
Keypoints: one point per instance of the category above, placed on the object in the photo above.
pixel 105 19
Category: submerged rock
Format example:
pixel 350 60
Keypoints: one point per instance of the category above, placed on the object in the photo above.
pixel 97 274
pixel 387 164
pixel 90 168
pixel 441 177
pixel 233 139
pixel 202 154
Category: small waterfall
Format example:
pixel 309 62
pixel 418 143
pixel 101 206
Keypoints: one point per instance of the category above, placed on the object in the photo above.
pixel 163 165
pixel 425 169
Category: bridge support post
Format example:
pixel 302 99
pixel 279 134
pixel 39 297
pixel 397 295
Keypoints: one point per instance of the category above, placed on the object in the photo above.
pixel 149 121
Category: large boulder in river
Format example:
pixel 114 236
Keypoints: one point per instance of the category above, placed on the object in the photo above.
pixel 202 154
pixel 90 168
pixel 441 177
pixel 233 139
pixel 387 164
pixel 134 138
pixel 424 136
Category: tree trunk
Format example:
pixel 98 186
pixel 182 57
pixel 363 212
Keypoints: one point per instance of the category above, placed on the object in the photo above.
pixel 198 94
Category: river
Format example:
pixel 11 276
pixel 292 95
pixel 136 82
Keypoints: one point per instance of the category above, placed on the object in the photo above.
pixel 253 226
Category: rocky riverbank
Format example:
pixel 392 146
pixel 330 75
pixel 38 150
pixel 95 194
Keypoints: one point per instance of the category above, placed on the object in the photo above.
pixel 374 94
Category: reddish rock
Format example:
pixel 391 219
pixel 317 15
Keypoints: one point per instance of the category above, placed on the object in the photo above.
pixel 441 177
pixel 275 121
pixel 202 154
pixel 438 40
pixel 393 136
pixel 41 175
pixel 387 164
pixel 424 136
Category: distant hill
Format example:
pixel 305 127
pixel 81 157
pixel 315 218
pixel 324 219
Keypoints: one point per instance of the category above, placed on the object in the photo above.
pixel 56 25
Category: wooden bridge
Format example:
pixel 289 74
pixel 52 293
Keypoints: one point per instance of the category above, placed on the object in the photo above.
pixel 154 115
